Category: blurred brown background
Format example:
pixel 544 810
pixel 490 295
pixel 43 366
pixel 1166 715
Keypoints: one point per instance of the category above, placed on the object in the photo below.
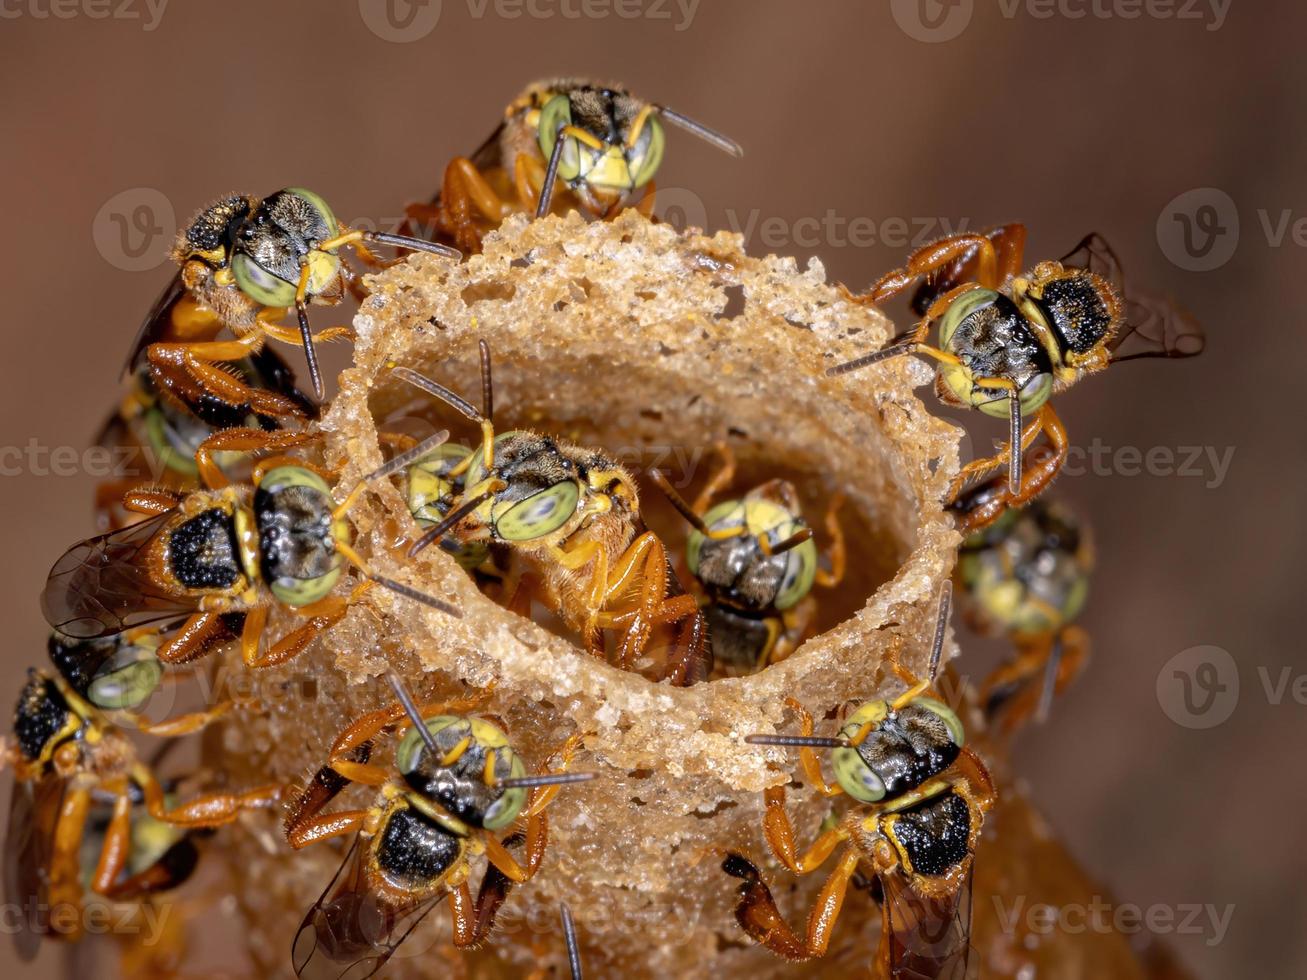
pixel 868 128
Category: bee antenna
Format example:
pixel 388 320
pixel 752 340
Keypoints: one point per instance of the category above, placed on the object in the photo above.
pixel 793 541
pixel 569 937
pixel 723 143
pixel 408 592
pixel 310 351
pixel 411 709
pixel 551 174
pixel 679 502
pixel 1050 681
pixel 436 390
pixel 412 244
pixel 884 354
pixel 403 460
pixel 941 623
pixel 487 386
pixel 450 519
pixel 806 741
pixel 545 779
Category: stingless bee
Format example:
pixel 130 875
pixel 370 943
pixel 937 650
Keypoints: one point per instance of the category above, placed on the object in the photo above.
pixel 572 515
pixel 602 142
pixel 67 758
pixel 756 562
pixel 1008 341
pixel 923 798
pixel 228 550
pixel 244 262
pixel 1026 577
pixel 455 787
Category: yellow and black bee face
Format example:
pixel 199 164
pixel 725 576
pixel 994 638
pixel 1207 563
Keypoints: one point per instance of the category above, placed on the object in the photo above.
pixel 432 492
pixel 113 673
pixel 541 488
pixel 904 748
pixel 736 572
pixel 1028 573
pixel 297 533
pixel 464 782
pixel 613 142
pixel 992 339
pixel 279 238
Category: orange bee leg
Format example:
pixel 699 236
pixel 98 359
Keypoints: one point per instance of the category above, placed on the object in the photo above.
pixel 1020 689
pixel 242 440
pixel 836 550
pixel 195 363
pixel 116 847
pixel 196 638
pixel 310 829
pixel 939 255
pixel 719 481
pixel 209 810
pixel 758 916
pixel 151 500
pixel 1038 471
pixel 780 836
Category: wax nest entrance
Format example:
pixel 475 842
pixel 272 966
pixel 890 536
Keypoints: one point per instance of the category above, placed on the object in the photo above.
pixel 646 342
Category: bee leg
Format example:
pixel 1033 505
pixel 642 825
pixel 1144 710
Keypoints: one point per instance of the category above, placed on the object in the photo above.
pixel 151 500
pixel 1022 688
pixel 309 829
pixel 117 843
pixel 836 550
pixel 64 871
pixel 979 467
pixel 808 758
pixel 196 638
pixel 209 810
pixel 242 440
pixel 179 725
pixel 464 193
pixel 779 832
pixel 293 337
pixel 1038 472
pixel 719 481
pixel 322 616
pixel 196 361
pixel 758 916
pixel 939 255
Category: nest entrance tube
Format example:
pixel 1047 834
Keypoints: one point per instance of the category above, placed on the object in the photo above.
pixel 646 342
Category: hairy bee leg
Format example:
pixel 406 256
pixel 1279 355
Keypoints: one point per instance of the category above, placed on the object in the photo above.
pixel 937 255
pixel 181 724
pixel 195 638
pixel 241 440
pixel 807 757
pixel 309 829
pixel 117 845
pixel 294 338
pixel 979 467
pixel 464 194
pixel 372 724
pixel 322 616
pixel 209 810
pixel 196 361
pixel 528 181
pixel 779 833
pixel 64 871
pixel 720 479
pixel 151 500
pixel 836 549
pixel 1037 473
pixel 761 919
pixel 1015 692
pixel 537 839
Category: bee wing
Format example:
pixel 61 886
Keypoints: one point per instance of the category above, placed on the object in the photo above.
pixel 1154 326
pixel 155 321
pixel 351 932
pixel 101 586
pixel 923 937
pixel 29 848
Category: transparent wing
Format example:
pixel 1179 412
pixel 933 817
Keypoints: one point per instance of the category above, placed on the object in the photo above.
pixel 350 932
pixel 29 849
pixel 1154 326
pixel 923 937
pixel 102 586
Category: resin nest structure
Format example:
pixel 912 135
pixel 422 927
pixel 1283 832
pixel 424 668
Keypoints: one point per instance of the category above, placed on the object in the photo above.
pixel 655 345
